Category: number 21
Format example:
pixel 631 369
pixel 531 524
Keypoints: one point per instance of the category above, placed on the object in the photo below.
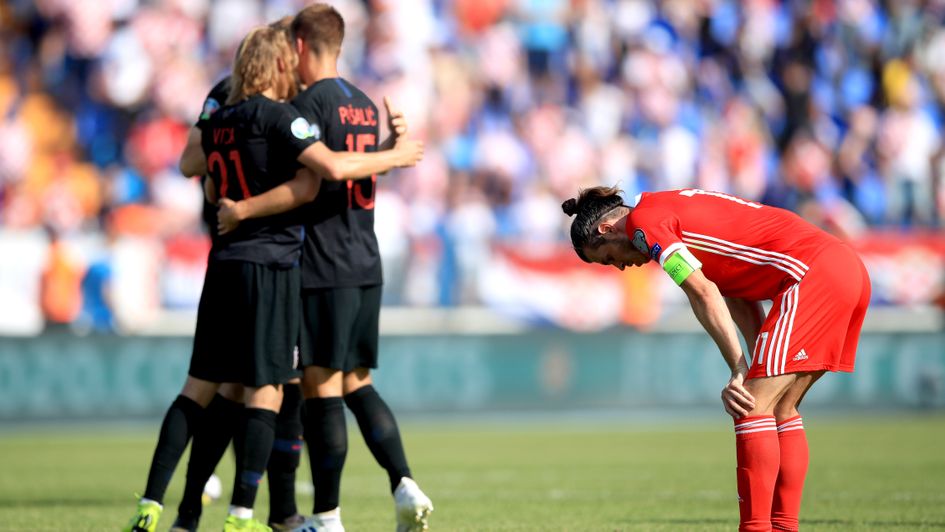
pixel 215 162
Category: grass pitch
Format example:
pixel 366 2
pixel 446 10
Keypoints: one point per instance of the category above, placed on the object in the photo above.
pixel 876 473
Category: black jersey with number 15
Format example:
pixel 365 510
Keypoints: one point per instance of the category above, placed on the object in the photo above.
pixel 251 147
pixel 340 244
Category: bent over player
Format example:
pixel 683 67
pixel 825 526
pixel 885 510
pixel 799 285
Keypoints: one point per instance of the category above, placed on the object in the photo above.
pixel 729 254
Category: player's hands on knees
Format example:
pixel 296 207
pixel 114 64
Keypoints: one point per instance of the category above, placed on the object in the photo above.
pixel 409 151
pixel 229 216
pixel 735 397
pixel 395 119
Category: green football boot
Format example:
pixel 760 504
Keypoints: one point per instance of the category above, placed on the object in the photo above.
pixel 235 524
pixel 145 519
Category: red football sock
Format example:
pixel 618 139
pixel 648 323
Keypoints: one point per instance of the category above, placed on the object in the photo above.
pixel 756 444
pixel 790 486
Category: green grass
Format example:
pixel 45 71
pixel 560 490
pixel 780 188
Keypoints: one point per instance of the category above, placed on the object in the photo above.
pixel 877 473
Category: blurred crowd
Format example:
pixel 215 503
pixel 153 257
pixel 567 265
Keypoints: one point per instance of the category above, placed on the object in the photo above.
pixel 832 108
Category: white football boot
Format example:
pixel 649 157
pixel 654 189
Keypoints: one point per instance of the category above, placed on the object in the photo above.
pixel 413 507
pixel 323 522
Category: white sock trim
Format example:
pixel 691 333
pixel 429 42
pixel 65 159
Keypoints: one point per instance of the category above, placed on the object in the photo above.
pixel 145 500
pixel 240 512
pixel 330 514
pixel 794 424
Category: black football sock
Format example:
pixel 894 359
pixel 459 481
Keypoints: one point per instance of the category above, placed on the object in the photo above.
pixel 182 418
pixel 259 431
pixel 327 438
pixel 221 420
pixel 286 452
pixel 379 429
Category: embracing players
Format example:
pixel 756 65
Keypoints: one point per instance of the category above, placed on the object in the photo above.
pixel 248 317
pixel 341 282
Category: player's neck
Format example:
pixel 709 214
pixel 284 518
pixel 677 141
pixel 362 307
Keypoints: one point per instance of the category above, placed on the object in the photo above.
pixel 622 221
pixel 325 67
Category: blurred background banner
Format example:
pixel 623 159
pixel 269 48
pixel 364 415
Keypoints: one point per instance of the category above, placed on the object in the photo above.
pixel 833 109
pixel 108 377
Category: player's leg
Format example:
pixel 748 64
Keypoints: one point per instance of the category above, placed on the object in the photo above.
pixel 265 360
pixel 794 454
pixel 258 428
pixel 326 435
pixel 187 411
pixel 375 419
pixel 284 461
pixel 180 421
pixel 210 441
pixel 379 429
pixel 327 318
pixel 757 452
pixel 839 290
pixel 377 424
pixel 756 438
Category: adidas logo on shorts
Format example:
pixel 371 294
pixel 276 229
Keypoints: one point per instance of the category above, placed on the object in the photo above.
pixel 801 355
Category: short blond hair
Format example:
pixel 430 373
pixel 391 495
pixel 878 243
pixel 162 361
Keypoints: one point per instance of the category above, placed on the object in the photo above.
pixel 257 64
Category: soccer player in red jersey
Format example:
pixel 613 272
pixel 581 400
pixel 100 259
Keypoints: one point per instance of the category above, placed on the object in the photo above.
pixel 729 254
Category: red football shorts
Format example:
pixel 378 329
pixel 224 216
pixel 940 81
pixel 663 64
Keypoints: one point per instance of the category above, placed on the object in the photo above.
pixel 815 324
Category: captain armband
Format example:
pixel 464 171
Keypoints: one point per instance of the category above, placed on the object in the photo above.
pixel 681 265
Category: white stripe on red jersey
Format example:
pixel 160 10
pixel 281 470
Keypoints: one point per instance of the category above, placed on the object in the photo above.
pixel 785 259
pixel 781 337
pixel 795 294
pixel 748 256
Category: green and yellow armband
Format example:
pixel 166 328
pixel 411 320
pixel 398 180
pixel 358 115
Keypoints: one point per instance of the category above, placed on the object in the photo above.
pixel 680 265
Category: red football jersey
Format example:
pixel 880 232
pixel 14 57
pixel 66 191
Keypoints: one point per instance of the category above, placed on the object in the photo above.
pixel 749 250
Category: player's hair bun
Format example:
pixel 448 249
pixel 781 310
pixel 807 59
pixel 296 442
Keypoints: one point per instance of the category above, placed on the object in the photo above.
pixel 570 206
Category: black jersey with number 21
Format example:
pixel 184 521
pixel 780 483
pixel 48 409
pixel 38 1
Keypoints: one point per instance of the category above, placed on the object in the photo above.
pixel 251 147
pixel 340 244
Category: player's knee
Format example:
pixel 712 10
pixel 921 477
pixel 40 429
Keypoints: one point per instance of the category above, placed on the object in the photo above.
pixel 231 391
pixel 357 379
pixel 322 382
pixel 785 410
pixel 267 397
pixel 199 390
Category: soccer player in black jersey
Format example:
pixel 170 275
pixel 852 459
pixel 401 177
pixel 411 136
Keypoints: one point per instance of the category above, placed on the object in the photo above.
pixel 253 146
pixel 212 437
pixel 341 280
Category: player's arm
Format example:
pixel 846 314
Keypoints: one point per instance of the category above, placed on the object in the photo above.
pixel 748 316
pixel 193 162
pixel 710 309
pixel 347 165
pixel 210 190
pixel 298 191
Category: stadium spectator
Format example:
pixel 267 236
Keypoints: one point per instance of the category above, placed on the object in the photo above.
pixel 95 103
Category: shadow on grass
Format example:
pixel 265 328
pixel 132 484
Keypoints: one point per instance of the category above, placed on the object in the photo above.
pixel 849 524
pixel 871 524
pixel 678 521
pixel 47 503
